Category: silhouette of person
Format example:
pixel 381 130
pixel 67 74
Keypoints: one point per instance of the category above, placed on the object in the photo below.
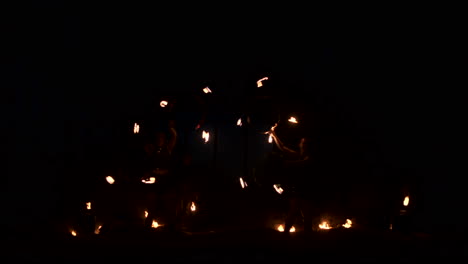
pixel 295 164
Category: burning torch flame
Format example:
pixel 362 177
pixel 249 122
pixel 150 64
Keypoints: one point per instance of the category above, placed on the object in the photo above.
pixel 206 90
pixel 347 224
pixel 146 214
pixel 281 229
pixel 243 183
pixel 239 122
pixel 292 119
pixel 98 230
pixel 270 139
pixel 150 181
pixel 163 103
pixel 110 180
pixel 155 224
pixel 73 233
pixel 324 225
pixel 406 201
pixel 206 136
pixel 259 82
pixel 88 205
pixel 193 207
pixel 136 128
pixel 278 189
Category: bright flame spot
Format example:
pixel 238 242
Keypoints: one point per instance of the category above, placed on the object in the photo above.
pixel 98 230
pixel 206 136
pixel 391 226
pixel 155 224
pixel 280 228
pixel 348 223
pixel 406 201
pixel 163 103
pixel 324 225
pixel 136 128
pixel 259 82
pixel 110 180
pixel 243 183
pixel 88 205
pixel 193 207
pixel 270 139
pixel 146 214
pixel 239 122
pixel 278 189
pixel 150 181
pixel 292 119
pixel 206 90
pixel 73 233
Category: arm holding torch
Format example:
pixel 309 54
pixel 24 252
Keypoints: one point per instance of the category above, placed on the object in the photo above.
pixel 298 156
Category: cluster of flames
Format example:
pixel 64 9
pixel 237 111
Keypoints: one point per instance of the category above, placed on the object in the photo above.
pixel 324 225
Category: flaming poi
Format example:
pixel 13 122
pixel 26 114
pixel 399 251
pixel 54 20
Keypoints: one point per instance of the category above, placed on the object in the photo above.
pixel 163 103
pixel 259 82
pixel 206 136
pixel 136 128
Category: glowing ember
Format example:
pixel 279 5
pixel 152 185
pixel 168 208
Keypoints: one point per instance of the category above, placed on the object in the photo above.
pixel 324 225
pixel 278 188
pixel 406 201
pixel 193 207
pixel 280 228
pixel 88 205
pixel 206 136
pixel 136 128
pixel 146 214
pixel 270 139
pixel 348 224
pixel 73 233
pixel 259 82
pixel 292 119
pixel 163 103
pixel 243 183
pixel 110 180
pixel 155 224
pixel 239 122
pixel 150 181
pixel 206 90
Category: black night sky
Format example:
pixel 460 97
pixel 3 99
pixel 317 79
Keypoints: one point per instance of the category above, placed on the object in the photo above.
pixel 383 97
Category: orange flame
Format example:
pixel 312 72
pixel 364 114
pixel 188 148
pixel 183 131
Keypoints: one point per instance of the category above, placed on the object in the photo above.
pixel 88 205
pixel 280 228
pixel 324 225
pixel 278 189
pixel 243 183
pixel 163 103
pixel 73 233
pixel 270 139
pixel 146 214
pixel 239 122
pixel 259 82
pixel 155 224
pixel 136 128
pixel 348 223
pixel 150 181
pixel 206 136
pixel 98 230
pixel 292 119
pixel 110 180
pixel 193 208
pixel 406 201
pixel 206 90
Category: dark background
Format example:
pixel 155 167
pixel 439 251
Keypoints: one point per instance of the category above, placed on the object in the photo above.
pixel 385 92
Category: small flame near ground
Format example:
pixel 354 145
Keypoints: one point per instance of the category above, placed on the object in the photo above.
pixel 155 224
pixel 324 225
pixel 280 228
pixel 348 223
pixel 73 233
pixel 193 208
pixel 150 181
